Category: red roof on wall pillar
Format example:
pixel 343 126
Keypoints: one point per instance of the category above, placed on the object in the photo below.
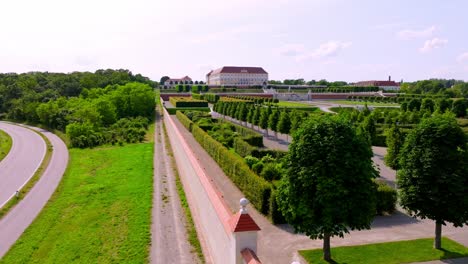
pixel 242 223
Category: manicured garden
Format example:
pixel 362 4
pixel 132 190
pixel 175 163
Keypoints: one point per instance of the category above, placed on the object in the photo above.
pixel 187 102
pixel 100 213
pixel 5 144
pixel 418 250
pixel 368 102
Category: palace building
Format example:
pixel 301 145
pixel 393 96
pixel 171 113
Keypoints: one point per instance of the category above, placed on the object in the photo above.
pixel 237 76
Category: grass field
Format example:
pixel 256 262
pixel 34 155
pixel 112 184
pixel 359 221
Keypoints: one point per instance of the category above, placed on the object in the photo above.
pixel 346 102
pixel 5 144
pixel 294 104
pixel 390 253
pixel 100 213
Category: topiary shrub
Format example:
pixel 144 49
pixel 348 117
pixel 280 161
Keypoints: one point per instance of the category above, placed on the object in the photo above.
pixel 257 167
pixel 270 172
pixel 251 161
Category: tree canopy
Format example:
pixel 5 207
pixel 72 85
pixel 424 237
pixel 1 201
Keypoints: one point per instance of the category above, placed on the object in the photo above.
pixel 328 188
pixel 433 179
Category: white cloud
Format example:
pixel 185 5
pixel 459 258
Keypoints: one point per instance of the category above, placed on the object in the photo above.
pixel 301 53
pixel 292 50
pixel 463 57
pixel 330 48
pixel 411 34
pixel 433 44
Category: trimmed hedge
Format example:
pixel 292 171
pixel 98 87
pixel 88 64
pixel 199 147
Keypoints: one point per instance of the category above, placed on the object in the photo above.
pixel 172 111
pixel 187 102
pixel 386 198
pixel 184 120
pixel 255 188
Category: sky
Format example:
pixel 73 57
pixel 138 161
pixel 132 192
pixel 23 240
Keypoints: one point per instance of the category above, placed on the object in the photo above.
pixel 337 40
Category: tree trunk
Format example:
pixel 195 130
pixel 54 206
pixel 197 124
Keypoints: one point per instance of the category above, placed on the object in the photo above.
pixel 326 247
pixel 438 235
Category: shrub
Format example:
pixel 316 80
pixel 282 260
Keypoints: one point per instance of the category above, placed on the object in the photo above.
pixel 271 172
pixel 250 160
pixel 258 167
pixel 386 198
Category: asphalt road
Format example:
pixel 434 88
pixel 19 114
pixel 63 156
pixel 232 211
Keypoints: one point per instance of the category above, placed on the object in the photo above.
pixel 22 215
pixel 26 155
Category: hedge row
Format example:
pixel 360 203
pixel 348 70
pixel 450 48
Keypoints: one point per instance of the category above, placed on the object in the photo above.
pixel 232 99
pixel 345 89
pixel 255 188
pixel 184 120
pixel 172 111
pixel 187 102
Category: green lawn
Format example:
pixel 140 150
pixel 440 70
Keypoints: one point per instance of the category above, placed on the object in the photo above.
pixel 5 144
pixel 390 253
pixel 346 102
pixel 294 104
pixel 100 213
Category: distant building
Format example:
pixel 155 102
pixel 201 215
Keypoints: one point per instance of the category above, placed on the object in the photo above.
pixel 173 81
pixel 384 85
pixel 237 76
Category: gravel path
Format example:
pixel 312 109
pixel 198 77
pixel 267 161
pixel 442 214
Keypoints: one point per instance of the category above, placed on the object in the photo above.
pixel 168 233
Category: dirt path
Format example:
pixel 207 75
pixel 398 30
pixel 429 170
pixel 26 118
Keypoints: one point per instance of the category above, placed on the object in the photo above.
pixel 168 233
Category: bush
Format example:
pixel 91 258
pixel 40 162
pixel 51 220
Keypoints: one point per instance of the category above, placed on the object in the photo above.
pixel 271 172
pixel 258 167
pixel 250 160
pixel 83 135
pixel 386 198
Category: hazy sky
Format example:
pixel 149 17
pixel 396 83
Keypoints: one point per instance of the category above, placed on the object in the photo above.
pixel 310 39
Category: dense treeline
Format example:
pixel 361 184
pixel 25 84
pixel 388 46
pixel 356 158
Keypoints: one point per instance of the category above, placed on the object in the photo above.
pixel 108 106
pixel 450 88
pixel 20 93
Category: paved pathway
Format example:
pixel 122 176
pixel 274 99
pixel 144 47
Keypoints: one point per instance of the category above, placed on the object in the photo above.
pixel 168 233
pixel 25 157
pixel 22 215
pixel 279 244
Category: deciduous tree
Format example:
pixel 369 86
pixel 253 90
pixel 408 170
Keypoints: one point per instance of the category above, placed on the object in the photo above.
pixel 328 188
pixel 433 179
